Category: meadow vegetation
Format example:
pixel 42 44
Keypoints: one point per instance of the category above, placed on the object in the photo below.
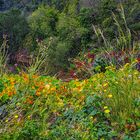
pixel 70 73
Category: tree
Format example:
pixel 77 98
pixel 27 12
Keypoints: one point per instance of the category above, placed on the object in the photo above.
pixel 43 22
pixel 15 26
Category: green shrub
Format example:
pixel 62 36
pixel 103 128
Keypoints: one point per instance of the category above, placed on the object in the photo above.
pixel 15 26
pixel 43 22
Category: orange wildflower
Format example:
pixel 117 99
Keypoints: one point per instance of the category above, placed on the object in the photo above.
pixel 38 93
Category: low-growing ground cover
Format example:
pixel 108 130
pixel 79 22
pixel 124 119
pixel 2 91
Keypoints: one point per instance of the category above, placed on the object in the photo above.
pixel 105 106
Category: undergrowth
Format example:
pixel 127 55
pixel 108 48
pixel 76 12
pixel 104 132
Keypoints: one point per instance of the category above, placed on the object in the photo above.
pixel 105 106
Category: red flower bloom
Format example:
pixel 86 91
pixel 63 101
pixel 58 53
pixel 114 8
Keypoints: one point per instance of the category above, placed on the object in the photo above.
pixel 91 55
pixel 78 64
pixel 112 53
pixel 138 59
pixel 126 60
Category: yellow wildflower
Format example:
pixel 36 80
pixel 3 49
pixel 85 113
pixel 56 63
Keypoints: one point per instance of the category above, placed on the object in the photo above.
pixel 105 107
pixel 44 91
pixel 6 121
pixel 47 86
pixel 110 96
pixel 105 90
pixel 136 73
pixel 105 85
pixel 107 111
pixel 126 65
pixel 16 116
pixel 91 117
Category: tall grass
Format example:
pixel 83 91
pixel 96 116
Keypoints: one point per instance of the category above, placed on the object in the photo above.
pixel 124 83
pixel 39 60
pixel 3 55
pixel 124 90
pixel 123 41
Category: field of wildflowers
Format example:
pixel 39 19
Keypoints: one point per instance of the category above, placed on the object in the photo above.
pixel 69 72
pixel 104 107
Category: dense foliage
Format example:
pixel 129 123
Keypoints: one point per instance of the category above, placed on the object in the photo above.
pixel 15 26
pixel 105 106
pixel 66 28
pixel 93 48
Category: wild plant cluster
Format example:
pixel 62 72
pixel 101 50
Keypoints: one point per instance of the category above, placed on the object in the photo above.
pixel 70 72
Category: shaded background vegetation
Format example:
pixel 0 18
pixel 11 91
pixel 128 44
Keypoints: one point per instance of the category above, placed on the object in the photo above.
pixel 64 26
